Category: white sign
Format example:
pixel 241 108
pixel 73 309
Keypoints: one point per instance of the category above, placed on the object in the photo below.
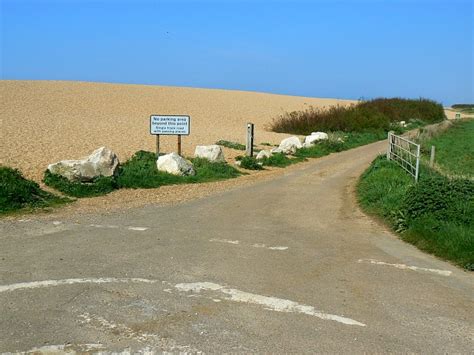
pixel 170 124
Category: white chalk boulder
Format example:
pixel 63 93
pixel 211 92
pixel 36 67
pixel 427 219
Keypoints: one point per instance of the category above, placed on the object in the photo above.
pixel 212 153
pixel 102 162
pixel 315 137
pixel 263 154
pixel 174 164
pixel 289 145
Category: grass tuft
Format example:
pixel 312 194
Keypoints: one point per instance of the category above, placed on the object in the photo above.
pixel 232 145
pixel 99 186
pixel 17 193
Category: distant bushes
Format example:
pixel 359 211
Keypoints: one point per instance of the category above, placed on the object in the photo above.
pixel 16 192
pixel 373 115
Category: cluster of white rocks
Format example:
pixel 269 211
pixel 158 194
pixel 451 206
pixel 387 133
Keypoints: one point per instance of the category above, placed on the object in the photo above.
pixel 292 144
pixel 104 162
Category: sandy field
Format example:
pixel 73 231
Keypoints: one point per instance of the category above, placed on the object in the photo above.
pixel 46 121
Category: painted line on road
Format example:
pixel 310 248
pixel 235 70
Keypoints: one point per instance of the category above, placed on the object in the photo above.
pixel 61 349
pixel 53 283
pixel 269 303
pixel 139 229
pixel 405 267
pixel 258 245
pixel 235 242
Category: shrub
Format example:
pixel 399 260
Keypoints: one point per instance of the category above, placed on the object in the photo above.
pixel 16 192
pixel 377 114
pixel 101 185
pixel 441 198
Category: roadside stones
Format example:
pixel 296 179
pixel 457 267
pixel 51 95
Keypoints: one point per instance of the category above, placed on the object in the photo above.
pixel 289 146
pixel 102 162
pixel 263 154
pixel 174 164
pixel 213 153
pixel 314 138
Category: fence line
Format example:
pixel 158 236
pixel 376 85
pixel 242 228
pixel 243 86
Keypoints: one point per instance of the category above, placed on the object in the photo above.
pixel 404 152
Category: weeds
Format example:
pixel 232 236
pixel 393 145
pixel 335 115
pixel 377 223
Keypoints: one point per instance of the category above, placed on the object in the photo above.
pixel 232 145
pixel 18 193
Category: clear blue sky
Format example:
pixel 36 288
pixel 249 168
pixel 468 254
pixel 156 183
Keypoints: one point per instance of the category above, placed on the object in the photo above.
pixel 344 49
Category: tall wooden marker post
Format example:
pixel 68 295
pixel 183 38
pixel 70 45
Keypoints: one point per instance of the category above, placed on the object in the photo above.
pixel 169 125
pixel 249 141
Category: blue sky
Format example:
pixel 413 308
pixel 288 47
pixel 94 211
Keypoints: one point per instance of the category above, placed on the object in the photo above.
pixel 344 49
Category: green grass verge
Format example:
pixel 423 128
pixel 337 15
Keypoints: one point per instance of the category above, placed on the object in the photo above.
pixel 20 194
pixel 340 141
pixel 436 214
pixel 464 108
pixel 455 148
pixel 98 187
pixel 141 172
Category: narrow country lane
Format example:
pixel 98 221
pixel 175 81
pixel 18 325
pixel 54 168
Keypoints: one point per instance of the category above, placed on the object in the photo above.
pixel 287 265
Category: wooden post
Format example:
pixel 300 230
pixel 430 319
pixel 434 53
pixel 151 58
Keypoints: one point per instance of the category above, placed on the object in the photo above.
pixel 179 144
pixel 432 157
pixel 249 146
pixel 157 146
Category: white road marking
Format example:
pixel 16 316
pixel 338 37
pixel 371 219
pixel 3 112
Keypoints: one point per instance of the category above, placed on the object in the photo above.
pixel 140 229
pixel 52 283
pixel 110 226
pixel 269 303
pixel 61 349
pixel 258 245
pixel 278 248
pixel 225 241
pixel 57 223
pixel 122 330
pixel 406 267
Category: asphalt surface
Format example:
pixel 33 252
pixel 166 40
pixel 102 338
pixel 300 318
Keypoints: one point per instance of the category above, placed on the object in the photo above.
pixel 287 265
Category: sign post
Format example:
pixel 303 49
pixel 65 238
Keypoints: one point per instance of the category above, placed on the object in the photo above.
pixel 249 147
pixel 169 125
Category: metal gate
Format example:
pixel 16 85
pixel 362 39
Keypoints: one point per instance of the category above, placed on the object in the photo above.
pixel 405 153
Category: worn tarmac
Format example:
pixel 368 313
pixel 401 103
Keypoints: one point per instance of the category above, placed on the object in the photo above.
pixel 286 265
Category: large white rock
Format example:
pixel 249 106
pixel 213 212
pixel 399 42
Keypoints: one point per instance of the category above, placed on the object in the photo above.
pixel 263 154
pixel 174 164
pixel 314 137
pixel 102 162
pixel 212 153
pixel 290 145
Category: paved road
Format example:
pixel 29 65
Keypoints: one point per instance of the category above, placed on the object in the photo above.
pixel 290 265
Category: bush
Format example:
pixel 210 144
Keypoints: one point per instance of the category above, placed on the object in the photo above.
pixel 16 192
pixel 101 185
pixel 442 199
pixel 377 114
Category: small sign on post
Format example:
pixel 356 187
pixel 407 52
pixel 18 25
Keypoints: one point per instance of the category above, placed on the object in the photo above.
pixel 169 125
pixel 249 144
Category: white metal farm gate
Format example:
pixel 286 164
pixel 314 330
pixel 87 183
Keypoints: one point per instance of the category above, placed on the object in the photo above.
pixel 405 153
